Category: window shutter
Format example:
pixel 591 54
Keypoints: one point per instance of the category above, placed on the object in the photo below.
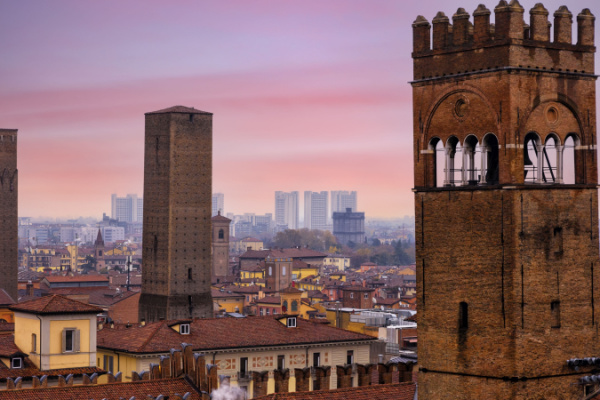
pixel 76 340
pixel 64 340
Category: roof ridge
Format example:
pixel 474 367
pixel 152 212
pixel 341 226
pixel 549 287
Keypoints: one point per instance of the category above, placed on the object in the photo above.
pixel 159 325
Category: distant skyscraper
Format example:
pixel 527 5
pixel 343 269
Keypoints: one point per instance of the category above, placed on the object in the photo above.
pixel 218 204
pixel 315 210
pixel 287 209
pixel 127 209
pixel 342 200
pixel 349 226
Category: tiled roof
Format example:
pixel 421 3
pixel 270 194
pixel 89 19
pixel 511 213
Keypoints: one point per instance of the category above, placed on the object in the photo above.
pixel 29 370
pixel 8 347
pixel 221 333
pixel 110 391
pixel 387 302
pixel 180 110
pixel 55 304
pixel 77 278
pixel 283 253
pixel 357 289
pixel 220 218
pixel 269 300
pixel 6 327
pixel 398 391
pixel 5 299
pixel 216 293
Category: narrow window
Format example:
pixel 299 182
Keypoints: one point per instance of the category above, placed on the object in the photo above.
pixel 280 362
pixel 184 329
pixel 291 322
pixel 366 296
pixel 33 343
pixel 489 160
pixel 189 273
pixel 294 305
pixel 69 340
pixel 350 357
pixel 108 364
pixel 568 160
pixel 351 295
pixel 244 366
pixel 221 234
pixel 532 162
pixel 284 306
pixel 555 310
pixel 283 270
pixel 316 359
pixel 463 315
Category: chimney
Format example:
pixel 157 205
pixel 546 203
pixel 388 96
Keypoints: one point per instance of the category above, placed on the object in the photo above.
pixel 585 28
pixel 421 34
pixel 481 31
pixel 29 290
pixel 441 25
pixel 539 23
pixel 563 21
pixel 460 20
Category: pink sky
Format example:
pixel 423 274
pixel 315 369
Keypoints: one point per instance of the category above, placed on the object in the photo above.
pixel 306 95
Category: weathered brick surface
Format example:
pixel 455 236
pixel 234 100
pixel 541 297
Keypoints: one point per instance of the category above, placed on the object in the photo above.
pixel 510 250
pixel 176 273
pixel 8 212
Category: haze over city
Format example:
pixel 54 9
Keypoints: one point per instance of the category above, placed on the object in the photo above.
pixel 306 96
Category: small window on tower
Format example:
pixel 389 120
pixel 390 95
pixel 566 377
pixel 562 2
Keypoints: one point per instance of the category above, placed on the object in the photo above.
pixel 555 310
pixel 221 234
pixel 463 315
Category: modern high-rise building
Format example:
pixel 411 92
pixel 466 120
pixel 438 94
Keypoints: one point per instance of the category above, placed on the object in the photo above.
pixel 341 200
pixel 287 210
pixel 176 276
pixel 506 204
pixel 218 204
pixel 127 209
pixel 9 222
pixel 315 210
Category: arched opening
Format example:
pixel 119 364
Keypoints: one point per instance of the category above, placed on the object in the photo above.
pixel 551 168
pixel 294 305
pixel 532 163
pixel 472 161
pixel 568 159
pixel 439 160
pixel 221 234
pixel 454 170
pixel 489 160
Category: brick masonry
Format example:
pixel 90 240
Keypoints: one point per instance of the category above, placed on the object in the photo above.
pixel 176 275
pixel 8 212
pixel 521 258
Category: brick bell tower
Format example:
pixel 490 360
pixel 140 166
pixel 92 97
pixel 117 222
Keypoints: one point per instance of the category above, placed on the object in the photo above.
pixel 176 261
pixel 506 204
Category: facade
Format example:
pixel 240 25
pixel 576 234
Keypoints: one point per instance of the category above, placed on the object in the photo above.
pixel 177 203
pixel 315 210
pixel 287 210
pixel 506 203
pixel 220 247
pixel 112 234
pixel 349 226
pixel 342 200
pixel 278 273
pixel 127 209
pixel 9 222
pixel 218 204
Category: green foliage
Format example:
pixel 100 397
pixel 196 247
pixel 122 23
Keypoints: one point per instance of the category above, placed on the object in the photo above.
pixel 312 239
pixel 90 264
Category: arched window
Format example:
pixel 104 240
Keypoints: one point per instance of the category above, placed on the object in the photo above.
pixel 532 162
pixel 552 155
pixel 568 159
pixel 283 270
pixel 439 161
pixel 453 162
pixel 285 306
pixel 270 271
pixel 294 305
pixel 221 234
pixel 471 161
pixel 489 159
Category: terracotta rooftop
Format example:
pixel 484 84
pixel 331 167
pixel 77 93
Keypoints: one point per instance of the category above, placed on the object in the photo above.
pixel 55 304
pixel 110 391
pixel 8 347
pixel 398 391
pixel 77 278
pixel 283 253
pixel 222 333
pixel 269 300
pixel 179 110
pixel 220 218
pixel 5 299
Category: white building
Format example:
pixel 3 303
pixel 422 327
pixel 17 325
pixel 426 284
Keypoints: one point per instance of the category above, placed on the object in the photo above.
pixel 287 210
pixel 218 204
pixel 315 210
pixel 342 199
pixel 111 234
pixel 127 209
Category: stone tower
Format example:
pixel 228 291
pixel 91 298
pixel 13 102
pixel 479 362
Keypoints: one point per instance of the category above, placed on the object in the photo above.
pixel 506 205
pixel 9 222
pixel 220 247
pixel 99 251
pixel 177 212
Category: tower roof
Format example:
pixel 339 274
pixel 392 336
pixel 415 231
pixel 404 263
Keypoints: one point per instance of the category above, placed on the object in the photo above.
pixel 179 110
pixel 55 304
pixel 99 237
pixel 220 218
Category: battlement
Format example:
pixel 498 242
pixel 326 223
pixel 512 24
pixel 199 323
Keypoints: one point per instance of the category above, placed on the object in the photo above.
pixel 510 42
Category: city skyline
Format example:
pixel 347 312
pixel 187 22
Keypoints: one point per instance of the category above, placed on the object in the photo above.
pixel 308 97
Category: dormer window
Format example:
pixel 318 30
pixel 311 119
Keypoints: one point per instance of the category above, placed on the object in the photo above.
pixel 184 329
pixel 291 322
pixel 16 363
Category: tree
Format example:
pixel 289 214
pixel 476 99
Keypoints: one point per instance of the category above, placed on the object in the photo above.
pixel 89 265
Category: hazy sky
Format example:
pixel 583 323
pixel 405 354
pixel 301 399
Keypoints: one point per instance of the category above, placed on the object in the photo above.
pixel 306 95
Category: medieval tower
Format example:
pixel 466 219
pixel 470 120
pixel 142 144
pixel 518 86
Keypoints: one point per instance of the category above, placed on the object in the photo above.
pixel 99 252
pixel 220 247
pixel 9 222
pixel 506 204
pixel 177 212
